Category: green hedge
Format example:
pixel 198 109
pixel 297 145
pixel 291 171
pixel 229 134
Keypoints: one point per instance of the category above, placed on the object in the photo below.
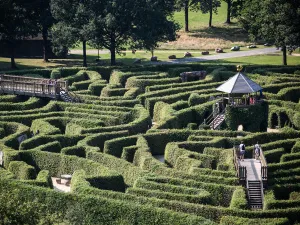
pixel 239 199
pixel 234 220
pixel 273 156
pixel 83 209
pixel 22 170
pixel 202 198
pixel 175 72
pixel 74 150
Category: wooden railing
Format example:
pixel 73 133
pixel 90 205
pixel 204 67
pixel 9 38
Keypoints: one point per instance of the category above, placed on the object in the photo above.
pixel 241 171
pixel 31 86
pixel 264 166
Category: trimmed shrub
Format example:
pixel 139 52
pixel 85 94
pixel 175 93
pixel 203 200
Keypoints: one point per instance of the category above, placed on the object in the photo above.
pixel 175 72
pixel 55 74
pixel 239 199
pixel 273 156
pixel 234 220
pixel 202 198
pixel 22 170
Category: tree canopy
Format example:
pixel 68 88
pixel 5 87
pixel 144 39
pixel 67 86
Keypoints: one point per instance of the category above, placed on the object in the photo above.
pixel 18 20
pixel 275 21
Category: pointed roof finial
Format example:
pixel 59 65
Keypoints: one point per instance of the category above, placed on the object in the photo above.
pixel 239 68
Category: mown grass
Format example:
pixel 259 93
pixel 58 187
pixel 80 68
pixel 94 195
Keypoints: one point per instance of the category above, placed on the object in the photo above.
pixel 76 60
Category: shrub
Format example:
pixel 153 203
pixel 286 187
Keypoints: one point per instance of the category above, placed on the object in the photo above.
pixel 175 72
pixel 234 220
pixel 55 74
pixel 239 199
pixel 274 155
pixel 22 170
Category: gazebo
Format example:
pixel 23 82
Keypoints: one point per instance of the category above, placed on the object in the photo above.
pixel 241 90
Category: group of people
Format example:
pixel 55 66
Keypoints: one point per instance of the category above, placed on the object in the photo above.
pixel 242 149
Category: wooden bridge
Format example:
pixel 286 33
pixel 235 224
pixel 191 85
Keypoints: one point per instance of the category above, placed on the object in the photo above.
pixel 39 87
pixel 30 86
pixel 252 174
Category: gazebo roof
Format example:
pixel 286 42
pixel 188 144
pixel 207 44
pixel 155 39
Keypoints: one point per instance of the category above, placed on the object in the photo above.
pixel 239 83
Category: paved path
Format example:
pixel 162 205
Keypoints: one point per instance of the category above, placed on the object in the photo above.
pixel 260 51
pixel 60 187
pixel 253 168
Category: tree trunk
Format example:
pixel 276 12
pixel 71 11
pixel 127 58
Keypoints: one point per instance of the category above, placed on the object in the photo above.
pixel 284 58
pixel 84 53
pixel 210 13
pixel 112 50
pixel 12 57
pixel 45 44
pixel 228 11
pixel 186 15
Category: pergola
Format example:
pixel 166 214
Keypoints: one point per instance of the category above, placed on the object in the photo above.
pixel 238 85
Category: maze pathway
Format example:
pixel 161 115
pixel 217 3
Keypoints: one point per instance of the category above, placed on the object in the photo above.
pixel 253 167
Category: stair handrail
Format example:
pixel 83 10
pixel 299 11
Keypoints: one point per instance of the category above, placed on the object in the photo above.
pixel 264 167
pixel 262 193
pixel 215 118
pixel 75 96
pixel 72 95
pixel 208 119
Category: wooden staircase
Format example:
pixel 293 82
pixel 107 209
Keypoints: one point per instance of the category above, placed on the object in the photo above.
pixel 255 194
pixel 217 121
pixel 69 97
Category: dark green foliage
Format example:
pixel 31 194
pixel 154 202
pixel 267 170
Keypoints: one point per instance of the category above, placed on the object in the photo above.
pixel 253 118
pixel 175 72
pixel 234 220
pixel 274 155
pixel 74 150
pixel 239 199
pixel 55 74
pixel 22 170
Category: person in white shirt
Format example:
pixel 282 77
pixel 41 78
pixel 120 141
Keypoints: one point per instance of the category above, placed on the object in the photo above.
pixel 242 151
pixel 257 151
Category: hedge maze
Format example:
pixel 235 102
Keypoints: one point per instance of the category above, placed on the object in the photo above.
pixel 138 151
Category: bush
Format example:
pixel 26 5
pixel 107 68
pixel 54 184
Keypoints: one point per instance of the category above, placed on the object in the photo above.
pixel 274 155
pixel 239 199
pixel 22 170
pixel 234 220
pixel 202 198
pixel 175 72
pixel 55 74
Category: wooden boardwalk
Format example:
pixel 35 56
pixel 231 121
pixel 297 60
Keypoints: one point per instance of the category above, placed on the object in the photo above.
pixel 30 86
pixel 253 168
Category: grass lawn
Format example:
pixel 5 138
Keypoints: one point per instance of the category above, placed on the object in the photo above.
pixel 76 60
pixel 200 36
pixel 271 59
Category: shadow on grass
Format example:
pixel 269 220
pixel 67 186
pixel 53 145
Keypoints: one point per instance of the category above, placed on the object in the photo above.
pixel 229 33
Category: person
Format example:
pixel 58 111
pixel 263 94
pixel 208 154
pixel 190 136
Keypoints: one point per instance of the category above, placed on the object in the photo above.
pixel 242 151
pixel 257 151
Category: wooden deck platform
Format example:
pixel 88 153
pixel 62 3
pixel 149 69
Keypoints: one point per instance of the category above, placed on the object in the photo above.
pixel 29 86
pixel 253 167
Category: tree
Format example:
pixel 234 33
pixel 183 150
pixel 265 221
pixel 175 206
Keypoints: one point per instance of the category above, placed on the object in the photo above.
pixel 207 6
pixel 229 4
pixel 18 20
pixel 276 21
pixel 46 20
pixel 139 23
pixel 75 19
pixel 184 4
